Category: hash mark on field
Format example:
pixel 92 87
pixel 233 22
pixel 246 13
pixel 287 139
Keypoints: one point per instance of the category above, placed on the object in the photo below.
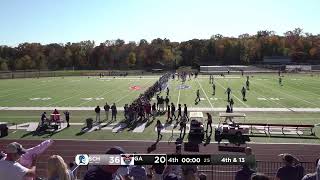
pixel 205 94
pixel 233 95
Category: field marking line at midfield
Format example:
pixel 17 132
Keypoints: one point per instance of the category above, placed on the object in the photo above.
pixel 233 95
pixel 287 94
pixel 131 92
pixel 108 92
pixel 205 93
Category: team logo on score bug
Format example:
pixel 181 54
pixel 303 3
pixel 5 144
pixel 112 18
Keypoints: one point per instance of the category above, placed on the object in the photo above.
pixel 127 159
pixel 82 159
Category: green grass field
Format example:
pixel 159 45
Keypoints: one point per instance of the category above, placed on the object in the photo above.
pixel 298 91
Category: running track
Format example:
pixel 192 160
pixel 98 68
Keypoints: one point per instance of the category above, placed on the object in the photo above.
pixel 69 148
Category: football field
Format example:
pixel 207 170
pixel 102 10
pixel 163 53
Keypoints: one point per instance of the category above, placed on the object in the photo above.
pixel 296 102
pixel 298 91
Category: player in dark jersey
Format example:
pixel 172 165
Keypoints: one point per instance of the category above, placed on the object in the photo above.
pixel 243 91
pixel 228 91
pixel 179 111
pixel 198 96
pixel 247 84
pixel 213 89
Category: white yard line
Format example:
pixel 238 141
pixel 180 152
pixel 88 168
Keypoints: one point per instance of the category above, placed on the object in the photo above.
pixel 178 97
pixel 233 95
pixel 205 94
pixel 287 94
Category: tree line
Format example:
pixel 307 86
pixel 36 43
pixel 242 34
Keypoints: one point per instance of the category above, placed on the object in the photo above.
pixel 300 47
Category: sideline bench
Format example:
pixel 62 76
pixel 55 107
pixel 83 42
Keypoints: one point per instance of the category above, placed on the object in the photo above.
pixel 283 126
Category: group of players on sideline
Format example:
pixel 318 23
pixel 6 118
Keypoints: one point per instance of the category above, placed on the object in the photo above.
pixel 16 165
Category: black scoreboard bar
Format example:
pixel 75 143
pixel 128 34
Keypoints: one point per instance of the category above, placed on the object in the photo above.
pixel 219 159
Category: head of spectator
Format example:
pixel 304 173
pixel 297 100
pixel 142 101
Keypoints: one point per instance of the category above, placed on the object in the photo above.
pixel 171 176
pixel 202 176
pixel 57 168
pixel 259 176
pixel 104 172
pixel 14 151
pixel 288 159
pixel 248 151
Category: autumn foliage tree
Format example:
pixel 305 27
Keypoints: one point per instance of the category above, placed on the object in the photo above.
pixel 116 54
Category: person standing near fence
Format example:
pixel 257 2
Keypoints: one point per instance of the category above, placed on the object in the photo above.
pixel 159 127
pixel 67 115
pixel 106 110
pixel 209 123
pixel 185 111
pixel 113 112
pixel 97 110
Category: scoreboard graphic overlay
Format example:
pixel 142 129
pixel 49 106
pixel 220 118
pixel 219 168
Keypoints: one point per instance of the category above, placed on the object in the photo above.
pixel 166 159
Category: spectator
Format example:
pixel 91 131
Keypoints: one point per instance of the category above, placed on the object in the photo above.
pixel 106 109
pixel 97 110
pixel 104 172
pixel 67 115
pixel 138 172
pixel 58 169
pixel 158 171
pixel 259 176
pixel 171 176
pixel 10 169
pixel 113 112
pixel 2 155
pixel 202 176
pixel 311 176
pixel 289 171
pixel 244 173
pixel 248 152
